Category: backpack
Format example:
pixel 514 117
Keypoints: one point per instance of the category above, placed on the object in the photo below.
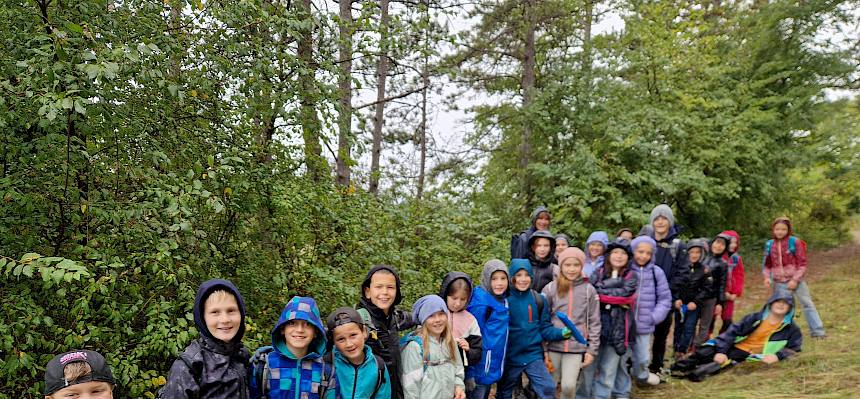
pixel 539 301
pixel 260 367
pixel 380 374
pixel 412 337
pixel 792 246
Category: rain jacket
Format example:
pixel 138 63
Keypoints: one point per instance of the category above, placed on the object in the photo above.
pixel 464 320
pixel 358 381
pixel 544 269
pixel 783 343
pixel 593 264
pixel 719 270
pixel 693 282
pixel 582 306
pixel 431 375
pixel 491 313
pixel 653 299
pixel 528 327
pixel 735 276
pixel 617 297
pixel 520 248
pixel 781 264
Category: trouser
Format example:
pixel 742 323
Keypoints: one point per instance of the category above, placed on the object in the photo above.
pixel 480 392
pixel 803 296
pixel 658 349
pixel 539 378
pixel 706 316
pixel 641 352
pixel 566 372
pixel 701 363
pixel 607 371
pixel 684 330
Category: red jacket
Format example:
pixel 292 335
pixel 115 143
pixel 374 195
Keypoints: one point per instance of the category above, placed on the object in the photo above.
pixel 781 265
pixel 736 274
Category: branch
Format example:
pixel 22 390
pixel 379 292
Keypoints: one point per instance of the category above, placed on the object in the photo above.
pixel 387 99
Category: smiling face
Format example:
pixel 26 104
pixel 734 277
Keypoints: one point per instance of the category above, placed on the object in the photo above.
pixel 694 254
pixel 618 258
pixel 560 245
pixel 521 280
pixel 595 250
pixel 660 225
pixel 499 282
pixel 541 247
pixel 542 221
pixel 436 324
pixel 780 308
pixel 222 316
pixel 349 340
pixel 780 230
pixel 571 269
pixel 718 246
pixel 298 335
pixel 86 390
pixel 642 254
pixel 382 290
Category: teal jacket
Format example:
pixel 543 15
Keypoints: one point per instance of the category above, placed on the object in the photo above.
pixel 528 327
pixel 358 382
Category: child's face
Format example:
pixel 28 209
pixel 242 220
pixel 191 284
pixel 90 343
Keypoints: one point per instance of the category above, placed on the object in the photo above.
pixel 733 245
pixel 718 246
pixel 436 323
pixel 694 254
pixel 298 335
pixel 222 316
pixel 660 225
pixel 522 280
pixel 571 269
pixel 626 235
pixel 595 250
pixel 499 282
pixel 542 221
pixel 349 340
pixel 780 308
pixel 618 258
pixel 780 230
pixel 86 390
pixel 642 254
pixel 457 301
pixel 560 245
pixel 541 248
pixel 382 290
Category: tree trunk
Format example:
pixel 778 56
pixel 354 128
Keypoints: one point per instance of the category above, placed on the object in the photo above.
pixel 425 81
pixel 308 96
pixel 345 87
pixel 528 88
pixel 379 117
pixel 587 21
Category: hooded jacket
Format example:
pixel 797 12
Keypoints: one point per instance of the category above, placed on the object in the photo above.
pixel 210 368
pixel 735 276
pixel 653 299
pixel 491 313
pixel 358 381
pixel 290 375
pixel 593 264
pixel 617 297
pixel 781 264
pixel 663 257
pixel 430 375
pixel 463 323
pixel 528 327
pixel 693 282
pixel 719 270
pixel 385 328
pixel 784 342
pixel 520 248
pixel 582 306
pixel 544 269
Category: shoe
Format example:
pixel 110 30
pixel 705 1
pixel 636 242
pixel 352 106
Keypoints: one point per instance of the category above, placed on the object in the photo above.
pixel 821 337
pixel 653 379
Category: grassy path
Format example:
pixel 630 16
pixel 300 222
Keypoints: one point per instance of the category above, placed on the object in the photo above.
pixel 827 368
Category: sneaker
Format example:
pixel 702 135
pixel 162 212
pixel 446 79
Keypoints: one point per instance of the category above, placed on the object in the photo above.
pixel 822 336
pixel 653 379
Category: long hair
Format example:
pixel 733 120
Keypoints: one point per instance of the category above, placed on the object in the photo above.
pixel 563 283
pixel 607 265
pixel 447 340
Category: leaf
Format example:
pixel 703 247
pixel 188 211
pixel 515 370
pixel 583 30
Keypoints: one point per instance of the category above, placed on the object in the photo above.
pixel 74 27
pixel 27 270
pixel 29 257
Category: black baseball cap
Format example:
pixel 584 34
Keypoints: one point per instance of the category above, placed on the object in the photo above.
pixel 341 316
pixel 55 378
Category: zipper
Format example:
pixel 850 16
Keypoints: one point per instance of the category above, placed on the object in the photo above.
pixel 569 314
pixel 354 380
pixel 487 362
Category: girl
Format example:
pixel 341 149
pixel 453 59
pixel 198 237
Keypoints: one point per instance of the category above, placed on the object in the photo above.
pixel 653 301
pixel 562 242
pixel 616 286
pixel 572 296
pixel 490 308
pixel 691 286
pixel 432 367
pixel 734 278
pixel 596 247
pixel 457 290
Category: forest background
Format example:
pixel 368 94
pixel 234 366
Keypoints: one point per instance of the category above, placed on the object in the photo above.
pixel 287 145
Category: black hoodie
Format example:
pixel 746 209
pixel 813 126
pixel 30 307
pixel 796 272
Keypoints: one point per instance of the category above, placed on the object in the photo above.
pixel 473 355
pixel 520 248
pixel 385 330
pixel 544 269
pixel 210 368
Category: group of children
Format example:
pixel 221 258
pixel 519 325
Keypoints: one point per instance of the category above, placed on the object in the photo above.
pixel 559 315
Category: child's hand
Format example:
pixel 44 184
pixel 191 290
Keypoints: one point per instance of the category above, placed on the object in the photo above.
pixel 691 306
pixel 566 333
pixel 463 344
pixel 792 285
pixel 720 358
pixel 770 359
pixel 459 393
pixel 718 310
pixel 678 304
pixel 589 358
pixel 731 297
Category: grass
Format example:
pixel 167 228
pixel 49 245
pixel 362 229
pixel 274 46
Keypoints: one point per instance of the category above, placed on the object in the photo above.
pixel 827 368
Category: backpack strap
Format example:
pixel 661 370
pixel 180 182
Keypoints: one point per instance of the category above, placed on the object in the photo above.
pixel 767 247
pixel 411 337
pixel 368 322
pixel 675 248
pixel 380 375
pixel 538 297
pixel 260 365
pixel 328 379
pixel 792 245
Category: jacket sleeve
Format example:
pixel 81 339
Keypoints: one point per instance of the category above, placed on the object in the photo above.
pixel 593 321
pixel 738 277
pixel 726 340
pixel 476 349
pixel 676 282
pixel 413 370
pixel 766 264
pixel 724 272
pixel 795 340
pixel 459 372
pixel 404 320
pixel 705 287
pixel 181 383
pixel 800 258
pixel 664 298
pixel 548 331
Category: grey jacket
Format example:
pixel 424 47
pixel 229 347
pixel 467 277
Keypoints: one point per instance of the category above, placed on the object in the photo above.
pixel 582 306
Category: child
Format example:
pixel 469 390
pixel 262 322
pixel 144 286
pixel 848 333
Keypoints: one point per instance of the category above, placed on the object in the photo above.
pixel 785 267
pixel 596 246
pixel 734 278
pixel 572 296
pixel 432 367
pixel 359 373
pixel 520 242
pixel 616 286
pixel 457 290
pixel 214 365
pixel 79 374
pixel 712 304
pixel 691 286
pixel 653 301
pixel 294 365
pixel 562 242
pixel 542 248
pixel 490 309
pixel 625 233
pixel 530 325
pixel 769 336
pixel 380 295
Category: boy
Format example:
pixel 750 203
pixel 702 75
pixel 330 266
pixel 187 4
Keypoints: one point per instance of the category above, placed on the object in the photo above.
pixel 541 251
pixel 380 295
pixel 79 374
pixel 214 365
pixel 769 336
pixel 360 373
pixel 520 242
pixel 490 309
pixel 785 267
pixel 691 286
pixel 712 304
pixel 294 364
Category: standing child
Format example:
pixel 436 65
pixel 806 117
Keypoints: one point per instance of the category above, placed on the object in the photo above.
pixel 457 291
pixel 79 374
pixel 540 220
pixel 653 301
pixel 785 269
pixel 358 372
pixel 734 278
pixel 562 242
pixel 490 308
pixel 571 295
pixel 380 294
pixel 712 304
pixel 596 247
pixel 432 367
pixel 691 286
pixel 542 246
pixel 294 364
pixel 616 286
pixel 530 325
pixel 214 365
